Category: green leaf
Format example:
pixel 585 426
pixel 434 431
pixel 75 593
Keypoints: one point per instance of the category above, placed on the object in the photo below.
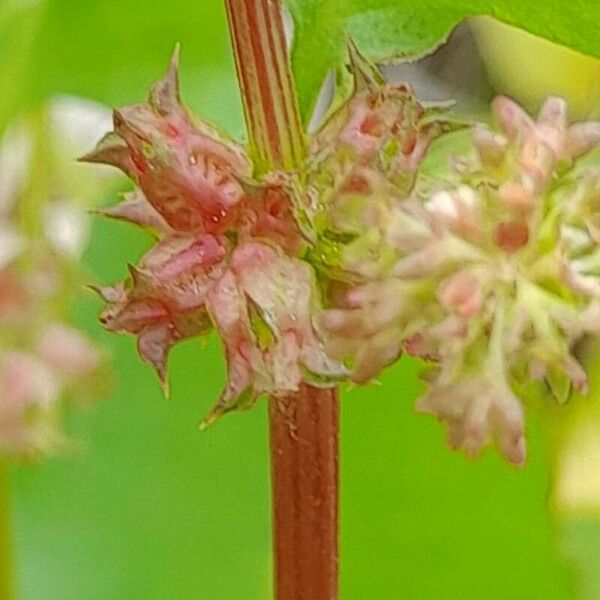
pixel 406 29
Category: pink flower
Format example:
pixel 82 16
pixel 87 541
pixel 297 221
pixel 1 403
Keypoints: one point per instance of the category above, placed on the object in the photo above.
pixel 228 253
pixel 364 160
pixel 187 172
pixel 67 351
pixel 488 271
pixel 492 277
pixel 382 125
pixel 30 390
pixel 462 292
pixel 164 299
pixel 477 411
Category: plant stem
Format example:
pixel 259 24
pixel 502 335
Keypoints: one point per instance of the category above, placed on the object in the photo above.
pixel 5 535
pixel 304 472
pixel 303 426
pixel 276 139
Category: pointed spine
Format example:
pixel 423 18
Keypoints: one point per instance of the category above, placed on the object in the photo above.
pixel 366 75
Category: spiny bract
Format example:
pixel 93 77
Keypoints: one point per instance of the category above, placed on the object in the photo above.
pixel 488 272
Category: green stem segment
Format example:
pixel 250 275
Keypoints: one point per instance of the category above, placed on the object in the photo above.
pixel 5 536
pixel 304 426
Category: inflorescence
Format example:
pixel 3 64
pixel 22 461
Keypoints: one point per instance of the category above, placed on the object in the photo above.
pixel 488 271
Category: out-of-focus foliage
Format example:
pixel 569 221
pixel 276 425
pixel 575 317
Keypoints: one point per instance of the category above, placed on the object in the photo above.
pixel 389 29
pixel 544 68
pixel 575 495
pixel 575 429
pixel 111 52
pixel 153 509
pixel 43 232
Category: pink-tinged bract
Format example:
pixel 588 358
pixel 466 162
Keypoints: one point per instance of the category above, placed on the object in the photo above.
pixel 486 271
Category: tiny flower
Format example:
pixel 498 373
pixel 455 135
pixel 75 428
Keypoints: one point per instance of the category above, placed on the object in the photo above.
pixel 365 157
pixel 476 410
pixel 32 388
pixel 51 360
pixel 462 292
pixel 263 308
pixel 370 328
pixel 382 125
pixel 29 392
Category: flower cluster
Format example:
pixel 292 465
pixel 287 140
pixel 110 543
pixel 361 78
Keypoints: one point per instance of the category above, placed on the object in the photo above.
pixel 364 159
pixel 41 366
pixel 488 271
pixel 44 360
pixel 228 254
pixel 491 277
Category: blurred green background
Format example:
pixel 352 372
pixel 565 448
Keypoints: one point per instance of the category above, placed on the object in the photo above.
pixel 150 508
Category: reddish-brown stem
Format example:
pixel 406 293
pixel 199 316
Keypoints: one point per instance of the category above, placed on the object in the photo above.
pixel 270 106
pixel 304 425
pixel 304 472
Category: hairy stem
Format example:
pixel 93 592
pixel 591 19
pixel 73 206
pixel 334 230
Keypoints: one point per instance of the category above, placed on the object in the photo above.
pixel 5 535
pixel 304 426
